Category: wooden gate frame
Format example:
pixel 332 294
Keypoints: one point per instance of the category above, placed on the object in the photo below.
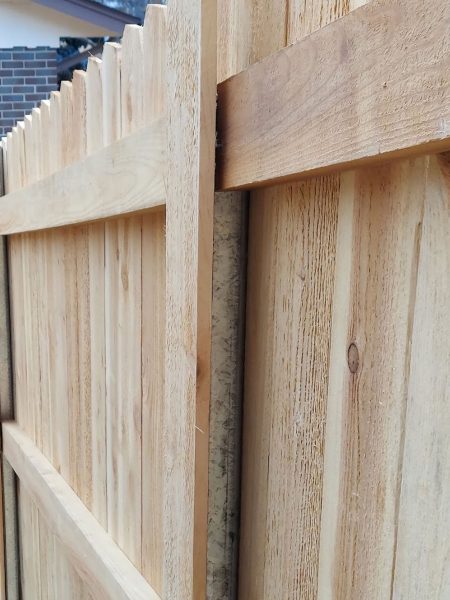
pixel 279 120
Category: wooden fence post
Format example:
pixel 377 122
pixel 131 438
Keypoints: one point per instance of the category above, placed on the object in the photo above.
pixel 191 103
pixel 10 563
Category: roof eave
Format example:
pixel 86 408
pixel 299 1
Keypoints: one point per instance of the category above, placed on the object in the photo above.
pixel 92 12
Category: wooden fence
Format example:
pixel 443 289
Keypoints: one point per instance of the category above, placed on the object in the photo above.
pixel 127 288
pixel 95 442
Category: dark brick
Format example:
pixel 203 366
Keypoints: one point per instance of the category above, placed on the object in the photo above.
pixel 35 64
pixel 25 72
pixel 47 54
pixel 51 63
pixel 12 64
pixel 7 122
pixel 5 55
pixel 13 114
pixel 24 105
pixel 35 80
pixel 5 89
pixel 23 55
pixel 13 81
pixel 45 88
pixel 51 72
pixel 6 73
pixel 12 98
pixel 23 89
pixel 6 106
pixel 37 97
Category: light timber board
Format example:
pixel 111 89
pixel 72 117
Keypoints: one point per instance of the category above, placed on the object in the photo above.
pixel 329 102
pixel 93 553
pixel 126 177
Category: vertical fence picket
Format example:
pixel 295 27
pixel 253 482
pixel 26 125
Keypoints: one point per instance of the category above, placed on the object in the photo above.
pixel 4 370
pixel 155 50
pixel 67 149
pixel 36 167
pixel 153 316
pixel 16 180
pixel 191 100
pixel 94 105
pixel 55 135
pixel 64 579
pixel 132 79
pixel 123 283
pixel 111 74
pixel 68 153
pixel 30 266
pixel 80 426
pixel 9 544
pixel 96 249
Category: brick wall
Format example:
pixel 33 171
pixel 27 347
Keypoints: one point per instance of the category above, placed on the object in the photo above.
pixel 27 76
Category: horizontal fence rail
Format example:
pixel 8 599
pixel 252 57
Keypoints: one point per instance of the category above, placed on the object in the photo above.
pixel 372 86
pixel 123 178
pixel 99 561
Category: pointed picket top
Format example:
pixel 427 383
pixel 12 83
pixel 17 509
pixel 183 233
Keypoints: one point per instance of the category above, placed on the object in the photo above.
pixel 155 49
pixel 132 79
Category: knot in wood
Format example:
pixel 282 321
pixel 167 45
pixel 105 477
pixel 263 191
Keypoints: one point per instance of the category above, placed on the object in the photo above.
pixel 353 358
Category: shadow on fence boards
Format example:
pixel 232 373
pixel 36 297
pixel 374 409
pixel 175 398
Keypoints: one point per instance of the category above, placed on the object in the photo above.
pixel 215 393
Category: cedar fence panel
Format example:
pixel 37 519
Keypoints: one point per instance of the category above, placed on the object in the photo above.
pixel 128 281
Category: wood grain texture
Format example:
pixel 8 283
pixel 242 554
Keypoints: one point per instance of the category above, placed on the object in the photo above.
pixel 132 79
pixel 290 280
pixel 386 225
pixel 123 178
pixel 90 341
pixel 94 105
pixel 337 379
pixel 367 420
pixel 153 336
pixel 112 54
pixel 103 566
pixel 43 434
pixel 123 314
pixel 153 317
pixel 423 517
pixel 78 321
pixel 154 63
pixel 191 76
pixel 123 383
pixel 9 549
pixel 96 300
pixel 29 516
pixel 329 103
pixel 60 316
pixel 13 181
pixel 292 236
